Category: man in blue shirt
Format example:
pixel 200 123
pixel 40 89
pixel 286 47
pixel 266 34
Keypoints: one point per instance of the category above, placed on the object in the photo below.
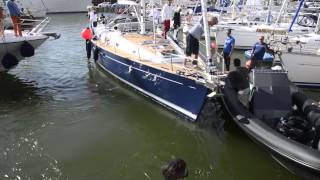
pixel 15 14
pixel 258 51
pixel 228 48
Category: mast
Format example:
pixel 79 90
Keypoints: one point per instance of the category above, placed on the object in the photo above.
pixel 142 16
pixel 268 19
pixel 234 9
pixel 317 30
pixel 153 19
pixel 281 11
pixel 296 15
pixel 206 31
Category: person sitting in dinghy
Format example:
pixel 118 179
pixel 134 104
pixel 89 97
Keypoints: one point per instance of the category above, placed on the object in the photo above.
pixel 194 36
pixel 240 80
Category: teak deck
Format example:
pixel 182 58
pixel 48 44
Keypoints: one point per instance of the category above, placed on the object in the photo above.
pixel 141 41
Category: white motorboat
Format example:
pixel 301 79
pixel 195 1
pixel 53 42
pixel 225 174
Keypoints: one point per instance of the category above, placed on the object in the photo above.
pixel 301 58
pixel 247 35
pixel 13 49
pixel 58 6
pixel 29 8
pixel 247 32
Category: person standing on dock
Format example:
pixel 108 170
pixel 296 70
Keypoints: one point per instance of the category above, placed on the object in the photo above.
pixel 258 51
pixel 166 15
pixel 2 16
pixel 15 14
pixel 228 49
pixel 94 19
pixel 194 36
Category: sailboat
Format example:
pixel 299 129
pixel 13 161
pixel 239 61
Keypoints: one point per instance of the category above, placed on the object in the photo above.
pixel 248 32
pixel 300 57
pixel 152 65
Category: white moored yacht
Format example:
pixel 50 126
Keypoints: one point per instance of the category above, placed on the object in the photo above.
pixel 59 6
pixel 13 49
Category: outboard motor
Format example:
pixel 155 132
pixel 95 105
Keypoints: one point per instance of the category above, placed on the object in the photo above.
pixel 311 110
pixel 271 99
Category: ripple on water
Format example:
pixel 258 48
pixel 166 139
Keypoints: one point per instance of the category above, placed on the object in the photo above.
pixel 24 158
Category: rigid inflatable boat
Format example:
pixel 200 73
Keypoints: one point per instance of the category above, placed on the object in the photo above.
pixel 276 115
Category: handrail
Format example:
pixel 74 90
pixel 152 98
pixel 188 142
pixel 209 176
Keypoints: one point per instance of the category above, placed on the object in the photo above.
pixel 40 26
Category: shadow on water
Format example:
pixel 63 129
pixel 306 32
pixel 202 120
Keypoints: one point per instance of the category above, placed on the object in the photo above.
pixel 15 90
pixel 156 136
pixel 20 151
pixel 215 148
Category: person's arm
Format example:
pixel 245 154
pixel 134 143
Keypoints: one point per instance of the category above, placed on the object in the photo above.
pixel 163 13
pixel 253 49
pixel 268 49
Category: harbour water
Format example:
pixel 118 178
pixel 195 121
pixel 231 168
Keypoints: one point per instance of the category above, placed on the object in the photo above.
pixel 61 118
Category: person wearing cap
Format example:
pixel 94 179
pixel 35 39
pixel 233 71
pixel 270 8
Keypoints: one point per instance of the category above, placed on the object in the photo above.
pixel 176 22
pixel 228 49
pixel 258 51
pixel 2 16
pixel 15 14
pixel 166 15
pixel 194 36
pixel 175 170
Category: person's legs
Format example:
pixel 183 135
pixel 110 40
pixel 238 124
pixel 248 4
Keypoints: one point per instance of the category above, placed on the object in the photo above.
pixel 175 32
pixel 195 50
pixel 15 25
pixel 257 63
pixel 1 28
pixel 19 30
pixel 166 25
pixel 188 48
pixel 226 61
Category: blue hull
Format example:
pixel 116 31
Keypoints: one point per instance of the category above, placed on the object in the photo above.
pixel 179 93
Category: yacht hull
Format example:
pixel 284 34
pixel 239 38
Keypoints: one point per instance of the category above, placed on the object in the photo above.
pixel 303 69
pixel 13 47
pixel 178 93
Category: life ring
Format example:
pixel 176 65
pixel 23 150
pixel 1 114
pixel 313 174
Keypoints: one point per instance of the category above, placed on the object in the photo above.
pixel 26 49
pixel 9 61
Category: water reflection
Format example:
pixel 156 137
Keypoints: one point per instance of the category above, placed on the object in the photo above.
pixel 15 90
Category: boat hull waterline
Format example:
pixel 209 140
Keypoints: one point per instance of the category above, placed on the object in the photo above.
pixel 303 69
pixel 181 94
pixel 299 156
pixel 14 48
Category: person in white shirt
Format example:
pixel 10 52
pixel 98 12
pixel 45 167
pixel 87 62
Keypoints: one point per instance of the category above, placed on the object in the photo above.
pixel 94 18
pixel 166 14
